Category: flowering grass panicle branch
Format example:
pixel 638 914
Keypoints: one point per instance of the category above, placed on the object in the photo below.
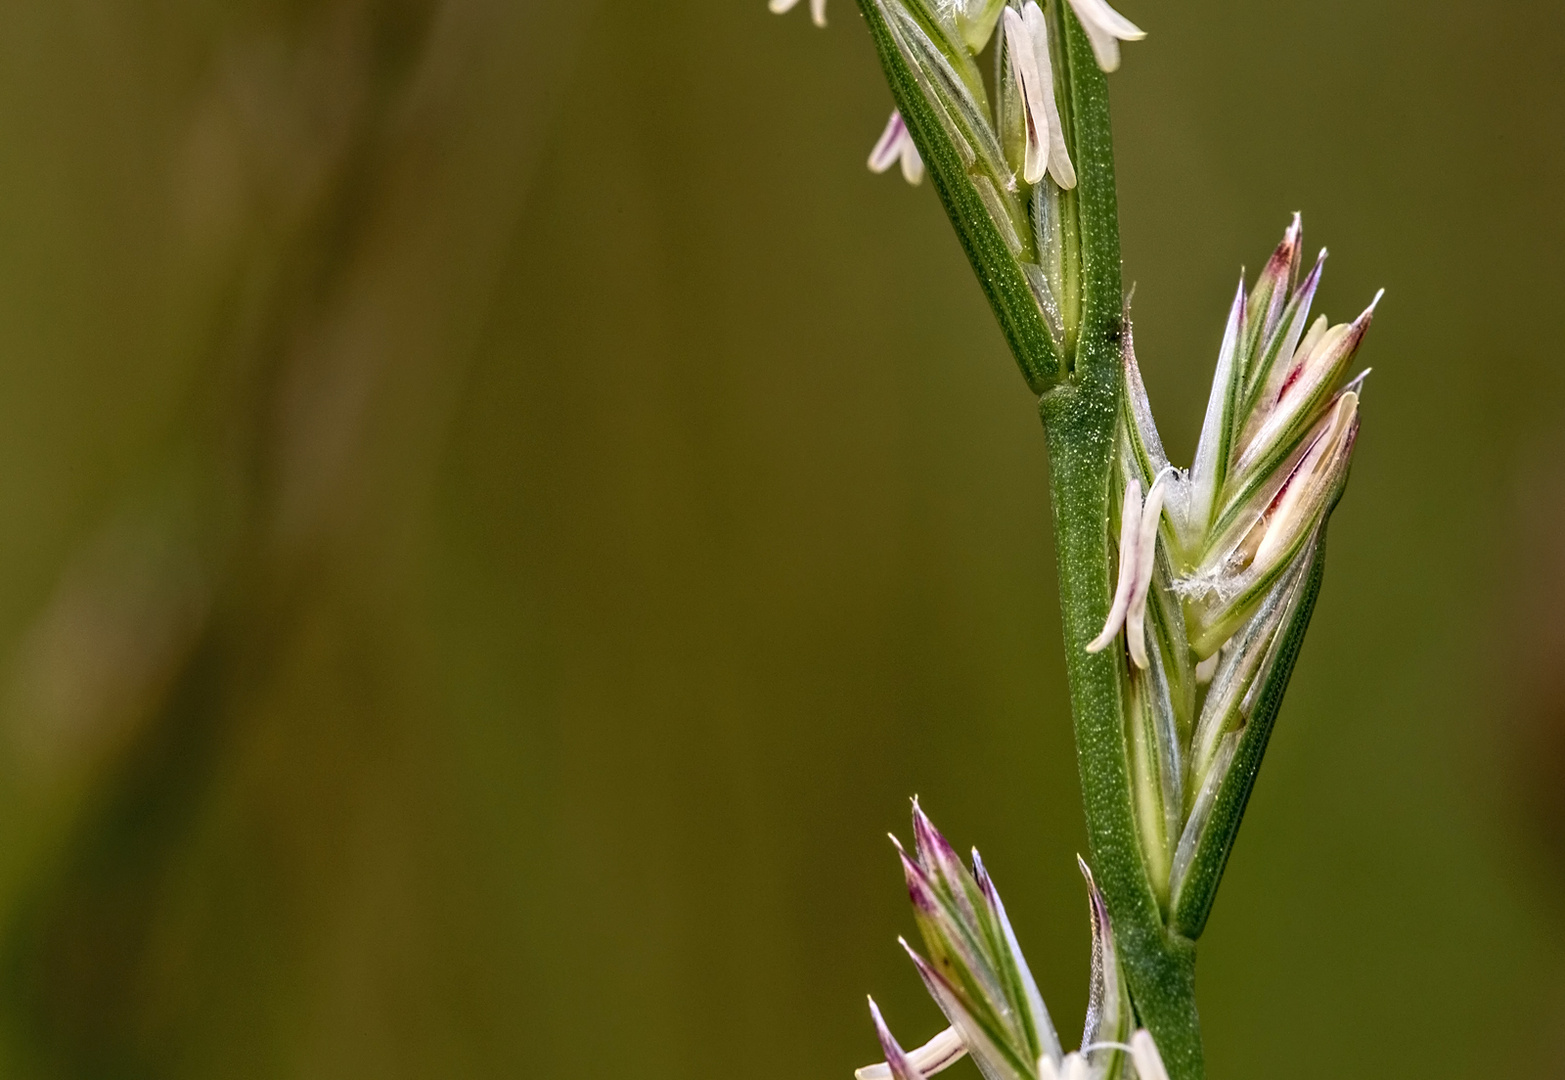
pixel 1185 594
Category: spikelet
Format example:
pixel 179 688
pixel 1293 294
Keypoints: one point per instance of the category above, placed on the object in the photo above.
pixel 1212 584
pixel 976 973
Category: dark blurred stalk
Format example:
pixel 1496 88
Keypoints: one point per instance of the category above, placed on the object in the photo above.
pixel 389 146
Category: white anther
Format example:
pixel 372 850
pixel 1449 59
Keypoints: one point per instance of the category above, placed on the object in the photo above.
pixel 817 9
pixel 1105 28
pixel 1129 531
pixel 896 145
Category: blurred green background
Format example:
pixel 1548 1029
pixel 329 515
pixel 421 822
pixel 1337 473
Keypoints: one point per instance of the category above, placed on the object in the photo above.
pixel 501 509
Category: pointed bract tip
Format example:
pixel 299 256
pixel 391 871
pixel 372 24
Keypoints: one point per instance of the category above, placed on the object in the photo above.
pixel 901 1068
pixel 1086 872
pixel 1360 325
pixel 930 841
pixel 936 983
pixel 985 884
pixel 912 953
pixel 1100 909
pixel 888 1042
pixel 1357 382
pixel 937 1055
pixel 1280 265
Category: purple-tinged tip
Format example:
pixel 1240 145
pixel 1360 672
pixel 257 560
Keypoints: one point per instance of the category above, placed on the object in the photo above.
pixel 1099 908
pixel 901 1067
pixel 1275 281
pixel 1360 327
pixel 1367 316
pixel 934 982
pixel 920 889
pixel 925 833
pixel 1312 279
pixel 985 885
pixel 1291 237
pixel 934 850
pixel 1287 251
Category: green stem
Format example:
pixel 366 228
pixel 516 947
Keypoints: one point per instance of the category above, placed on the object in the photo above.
pixel 1160 965
pixel 1080 406
pixel 1080 418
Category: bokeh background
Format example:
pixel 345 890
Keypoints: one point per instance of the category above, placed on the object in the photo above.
pixel 499 510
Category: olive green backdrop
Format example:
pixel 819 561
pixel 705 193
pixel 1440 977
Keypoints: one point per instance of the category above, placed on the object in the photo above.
pixel 499 510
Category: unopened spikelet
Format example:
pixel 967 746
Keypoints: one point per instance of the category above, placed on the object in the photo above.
pixel 977 975
pixel 1213 563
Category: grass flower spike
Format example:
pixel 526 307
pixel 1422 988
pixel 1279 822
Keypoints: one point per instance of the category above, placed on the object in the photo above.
pixel 977 975
pixel 1185 594
pixel 1225 594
